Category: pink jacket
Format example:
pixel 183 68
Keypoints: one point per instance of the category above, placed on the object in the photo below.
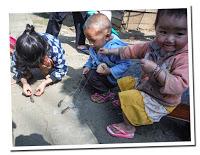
pixel 175 64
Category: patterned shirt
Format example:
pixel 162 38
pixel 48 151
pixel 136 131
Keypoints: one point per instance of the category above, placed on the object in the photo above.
pixel 56 53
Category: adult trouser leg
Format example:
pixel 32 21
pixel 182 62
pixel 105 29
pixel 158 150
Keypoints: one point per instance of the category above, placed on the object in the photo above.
pixel 79 20
pixel 55 23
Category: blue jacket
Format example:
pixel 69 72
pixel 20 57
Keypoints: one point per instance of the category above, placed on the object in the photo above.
pixel 117 66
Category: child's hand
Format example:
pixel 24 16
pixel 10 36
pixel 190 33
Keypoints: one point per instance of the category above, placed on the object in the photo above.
pixel 27 91
pixel 103 69
pixel 103 51
pixel 85 70
pixel 40 89
pixel 147 65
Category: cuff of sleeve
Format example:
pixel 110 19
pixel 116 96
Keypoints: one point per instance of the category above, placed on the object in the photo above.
pixel 54 79
pixel 113 74
pixel 87 66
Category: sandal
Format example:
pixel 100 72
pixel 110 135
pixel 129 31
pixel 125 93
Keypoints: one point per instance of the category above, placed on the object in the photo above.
pixel 116 103
pixel 116 131
pixel 102 98
pixel 83 49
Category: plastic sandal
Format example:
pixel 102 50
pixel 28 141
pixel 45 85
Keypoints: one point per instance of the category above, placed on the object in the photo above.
pixel 102 98
pixel 84 50
pixel 121 133
pixel 116 103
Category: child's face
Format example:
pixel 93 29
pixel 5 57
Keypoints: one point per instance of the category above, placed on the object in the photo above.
pixel 96 38
pixel 171 33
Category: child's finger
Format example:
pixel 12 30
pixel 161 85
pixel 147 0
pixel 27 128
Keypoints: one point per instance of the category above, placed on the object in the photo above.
pixel 142 61
pixel 85 72
pixel 103 51
pixel 27 93
pixel 100 50
pixel 38 92
pixel 104 66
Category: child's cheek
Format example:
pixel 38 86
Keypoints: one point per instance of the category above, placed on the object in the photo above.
pixel 160 40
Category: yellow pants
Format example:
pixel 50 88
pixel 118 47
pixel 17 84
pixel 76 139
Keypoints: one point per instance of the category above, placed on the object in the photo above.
pixel 132 103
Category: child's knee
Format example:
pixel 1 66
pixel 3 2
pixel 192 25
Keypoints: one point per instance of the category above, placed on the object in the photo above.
pixel 126 83
pixel 132 104
pixel 131 96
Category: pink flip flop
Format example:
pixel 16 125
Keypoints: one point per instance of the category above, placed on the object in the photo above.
pixel 121 134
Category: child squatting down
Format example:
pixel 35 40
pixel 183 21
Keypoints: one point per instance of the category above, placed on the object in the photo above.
pixel 164 63
pixel 102 71
pixel 38 50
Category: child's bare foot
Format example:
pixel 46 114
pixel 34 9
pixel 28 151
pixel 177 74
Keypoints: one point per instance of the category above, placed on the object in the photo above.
pixel 121 130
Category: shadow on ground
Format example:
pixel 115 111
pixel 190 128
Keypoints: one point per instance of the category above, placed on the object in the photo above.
pixel 98 116
pixel 67 40
pixel 30 140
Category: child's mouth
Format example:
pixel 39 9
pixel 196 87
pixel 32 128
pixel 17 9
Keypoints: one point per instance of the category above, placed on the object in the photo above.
pixel 169 47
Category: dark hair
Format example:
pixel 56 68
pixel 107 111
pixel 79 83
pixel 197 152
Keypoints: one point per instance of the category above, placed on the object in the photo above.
pixel 30 47
pixel 170 12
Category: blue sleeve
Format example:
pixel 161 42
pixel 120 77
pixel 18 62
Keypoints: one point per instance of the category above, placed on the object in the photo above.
pixel 120 68
pixel 60 67
pixel 17 71
pixel 88 63
pixel 57 54
pixel 121 65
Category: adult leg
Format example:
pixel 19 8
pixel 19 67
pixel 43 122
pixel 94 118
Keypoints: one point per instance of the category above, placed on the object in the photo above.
pixel 55 23
pixel 79 20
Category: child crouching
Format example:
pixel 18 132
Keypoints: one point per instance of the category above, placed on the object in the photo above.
pixel 38 50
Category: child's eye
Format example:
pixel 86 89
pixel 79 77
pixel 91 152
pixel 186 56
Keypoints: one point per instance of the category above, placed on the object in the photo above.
pixel 162 32
pixel 92 41
pixel 179 34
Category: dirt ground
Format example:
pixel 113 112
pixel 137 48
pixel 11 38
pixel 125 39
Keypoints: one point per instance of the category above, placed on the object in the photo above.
pixel 90 115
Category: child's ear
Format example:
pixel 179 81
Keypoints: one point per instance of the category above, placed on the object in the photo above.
pixel 108 37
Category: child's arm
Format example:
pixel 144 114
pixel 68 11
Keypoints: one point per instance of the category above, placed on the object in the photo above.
pixel 27 91
pixel 89 64
pixel 127 52
pixel 113 51
pixel 18 75
pixel 150 67
pixel 17 71
pixel 60 68
pixel 177 79
pixel 120 68
pixel 57 54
